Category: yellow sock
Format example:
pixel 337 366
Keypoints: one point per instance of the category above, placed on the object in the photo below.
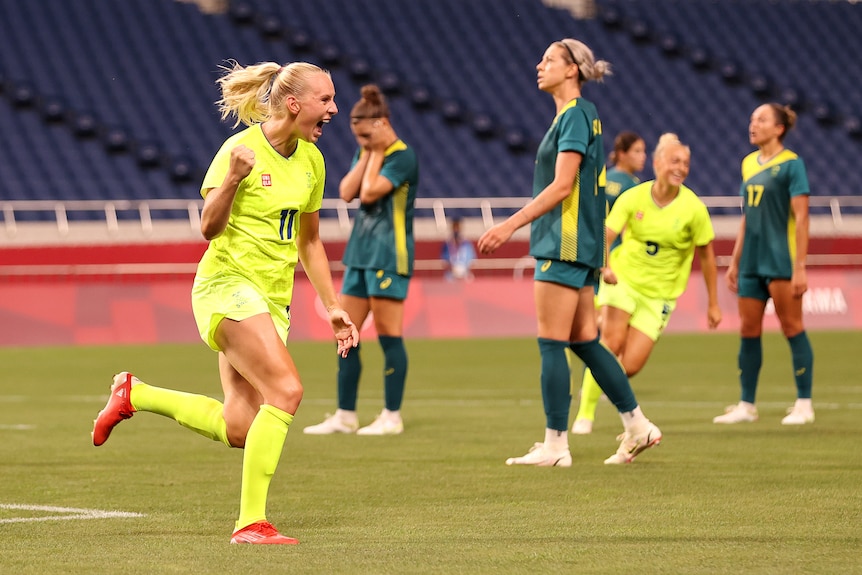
pixel 263 446
pixel 590 394
pixel 201 414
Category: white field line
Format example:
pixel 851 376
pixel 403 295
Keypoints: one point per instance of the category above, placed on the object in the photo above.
pixel 67 513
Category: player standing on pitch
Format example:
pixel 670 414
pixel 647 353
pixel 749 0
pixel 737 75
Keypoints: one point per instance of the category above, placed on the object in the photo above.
pixel 768 260
pixel 567 233
pixel 379 259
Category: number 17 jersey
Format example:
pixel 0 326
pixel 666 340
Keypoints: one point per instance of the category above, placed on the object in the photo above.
pixel 769 247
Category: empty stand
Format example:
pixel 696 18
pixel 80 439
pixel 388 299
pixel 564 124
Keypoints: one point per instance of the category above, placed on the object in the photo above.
pixel 114 100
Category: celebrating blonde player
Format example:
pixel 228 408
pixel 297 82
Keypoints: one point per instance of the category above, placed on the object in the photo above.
pixel 262 196
pixel 662 224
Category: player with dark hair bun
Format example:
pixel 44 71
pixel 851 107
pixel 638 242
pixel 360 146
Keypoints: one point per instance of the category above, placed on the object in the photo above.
pixel 768 260
pixel 379 260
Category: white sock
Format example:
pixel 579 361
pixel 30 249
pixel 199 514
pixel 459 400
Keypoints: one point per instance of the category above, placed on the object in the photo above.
pixel 634 421
pixel 556 440
pixel 804 404
pixel 391 416
pixel 346 415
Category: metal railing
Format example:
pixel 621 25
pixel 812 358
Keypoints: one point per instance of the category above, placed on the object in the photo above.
pixel 487 208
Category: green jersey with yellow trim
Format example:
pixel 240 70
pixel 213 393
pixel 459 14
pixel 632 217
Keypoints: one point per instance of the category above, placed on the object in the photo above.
pixel 617 182
pixel 259 242
pixel 573 231
pixel 769 248
pixel 658 242
pixel 382 235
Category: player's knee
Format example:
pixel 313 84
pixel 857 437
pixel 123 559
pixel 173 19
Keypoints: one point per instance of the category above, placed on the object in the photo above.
pixel 286 396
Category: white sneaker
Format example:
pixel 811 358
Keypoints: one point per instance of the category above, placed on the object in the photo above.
pixel 798 416
pixel 540 456
pixel 632 445
pixel 582 427
pixel 739 413
pixel 332 424
pixel 385 424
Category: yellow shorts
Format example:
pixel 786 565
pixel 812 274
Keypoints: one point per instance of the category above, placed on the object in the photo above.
pixel 648 315
pixel 233 297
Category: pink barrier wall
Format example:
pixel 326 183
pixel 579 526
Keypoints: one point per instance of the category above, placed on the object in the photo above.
pixel 99 311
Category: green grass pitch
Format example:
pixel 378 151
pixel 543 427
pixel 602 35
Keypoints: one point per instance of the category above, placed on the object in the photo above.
pixel 757 498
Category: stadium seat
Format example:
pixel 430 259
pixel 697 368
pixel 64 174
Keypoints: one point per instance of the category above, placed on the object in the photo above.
pixel 23 95
pixel 241 12
pixel 421 98
pixel 484 126
pixel 116 140
pixel 84 124
pixel 700 58
pixel 853 126
pixel 271 27
pixel 148 154
pixel 760 84
pixel 793 97
pixel 389 82
pixel 360 69
pixel 53 109
pixel 730 70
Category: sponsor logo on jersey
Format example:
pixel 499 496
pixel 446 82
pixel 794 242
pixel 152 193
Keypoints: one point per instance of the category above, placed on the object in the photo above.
pixel 265 180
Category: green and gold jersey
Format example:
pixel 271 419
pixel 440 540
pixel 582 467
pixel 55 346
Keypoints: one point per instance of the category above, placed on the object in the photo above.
pixel 658 243
pixel 769 248
pixel 382 235
pixel 259 242
pixel 573 231
pixel 617 182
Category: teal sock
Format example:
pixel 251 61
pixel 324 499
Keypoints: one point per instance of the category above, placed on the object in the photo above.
pixel 750 360
pixel 395 370
pixel 608 372
pixel 556 385
pixel 803 364
pixel 349 370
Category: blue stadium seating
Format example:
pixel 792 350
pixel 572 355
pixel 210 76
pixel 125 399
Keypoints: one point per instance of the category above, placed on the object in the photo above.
pixel 115 99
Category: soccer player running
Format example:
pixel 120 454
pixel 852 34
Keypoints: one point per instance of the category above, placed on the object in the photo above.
pixel 662 223
pixel 627 158
pixel 768 260
pixel 262 194
pixel 567 232
pixel 379 259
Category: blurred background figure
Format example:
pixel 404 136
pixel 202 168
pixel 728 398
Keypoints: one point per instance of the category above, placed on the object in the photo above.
pixel 457 254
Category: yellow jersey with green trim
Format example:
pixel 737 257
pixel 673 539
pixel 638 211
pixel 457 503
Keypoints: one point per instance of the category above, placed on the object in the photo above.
pixel 259 242
pixel 573 230
pixel 658 242
pixel 382 235
pixel 769 249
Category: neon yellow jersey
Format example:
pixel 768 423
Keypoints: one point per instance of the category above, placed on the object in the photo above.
pixel 259 242
pixel 658 243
